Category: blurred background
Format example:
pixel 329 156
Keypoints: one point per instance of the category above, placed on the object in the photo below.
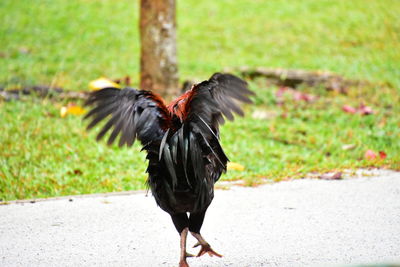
pixel 289 132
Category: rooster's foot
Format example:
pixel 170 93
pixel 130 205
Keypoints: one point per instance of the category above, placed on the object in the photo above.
pixel 206 248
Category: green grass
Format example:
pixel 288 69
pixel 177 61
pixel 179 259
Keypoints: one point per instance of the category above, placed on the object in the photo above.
pixel 69 43
pixel 73 42
pixel 301 137
pixel 46 155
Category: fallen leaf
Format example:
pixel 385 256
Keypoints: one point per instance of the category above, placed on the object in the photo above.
pixel 101 83
pixel 382 155
pixel 71 108
pixel 299 96
pixel 296 95
pixel 75 110
pixel 370 155
pixel 349 109
pixel 63 112
pixel 235 166
pixel 349 146
pixel 365 110
pixel 263 114
pixel 331 176
pixel 362 109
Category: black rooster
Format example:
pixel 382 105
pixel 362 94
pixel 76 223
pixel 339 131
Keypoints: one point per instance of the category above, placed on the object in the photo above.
pixel 181 140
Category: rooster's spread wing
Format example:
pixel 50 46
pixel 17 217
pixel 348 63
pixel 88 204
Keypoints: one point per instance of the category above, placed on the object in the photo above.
pixel 131 114
pixel 215 99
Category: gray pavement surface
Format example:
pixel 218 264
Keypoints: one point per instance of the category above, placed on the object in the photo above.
pixel 296 223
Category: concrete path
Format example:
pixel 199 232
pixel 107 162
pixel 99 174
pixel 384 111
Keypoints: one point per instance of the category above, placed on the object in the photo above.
pixel 296 223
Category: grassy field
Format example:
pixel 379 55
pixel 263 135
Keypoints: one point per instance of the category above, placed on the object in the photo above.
pixel 69 43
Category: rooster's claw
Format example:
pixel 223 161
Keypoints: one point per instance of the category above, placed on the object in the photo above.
pixel 207 249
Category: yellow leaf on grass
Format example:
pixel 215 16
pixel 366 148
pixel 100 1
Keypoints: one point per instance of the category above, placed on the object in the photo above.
pixel 71 108
pixel 235 166
pixel 75 110
pixel 101 83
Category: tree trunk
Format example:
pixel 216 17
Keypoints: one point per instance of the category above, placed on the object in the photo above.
pixel 158 61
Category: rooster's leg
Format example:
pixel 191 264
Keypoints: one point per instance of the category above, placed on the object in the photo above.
pixel 181 222
pixel 195 223
pixel 184 254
